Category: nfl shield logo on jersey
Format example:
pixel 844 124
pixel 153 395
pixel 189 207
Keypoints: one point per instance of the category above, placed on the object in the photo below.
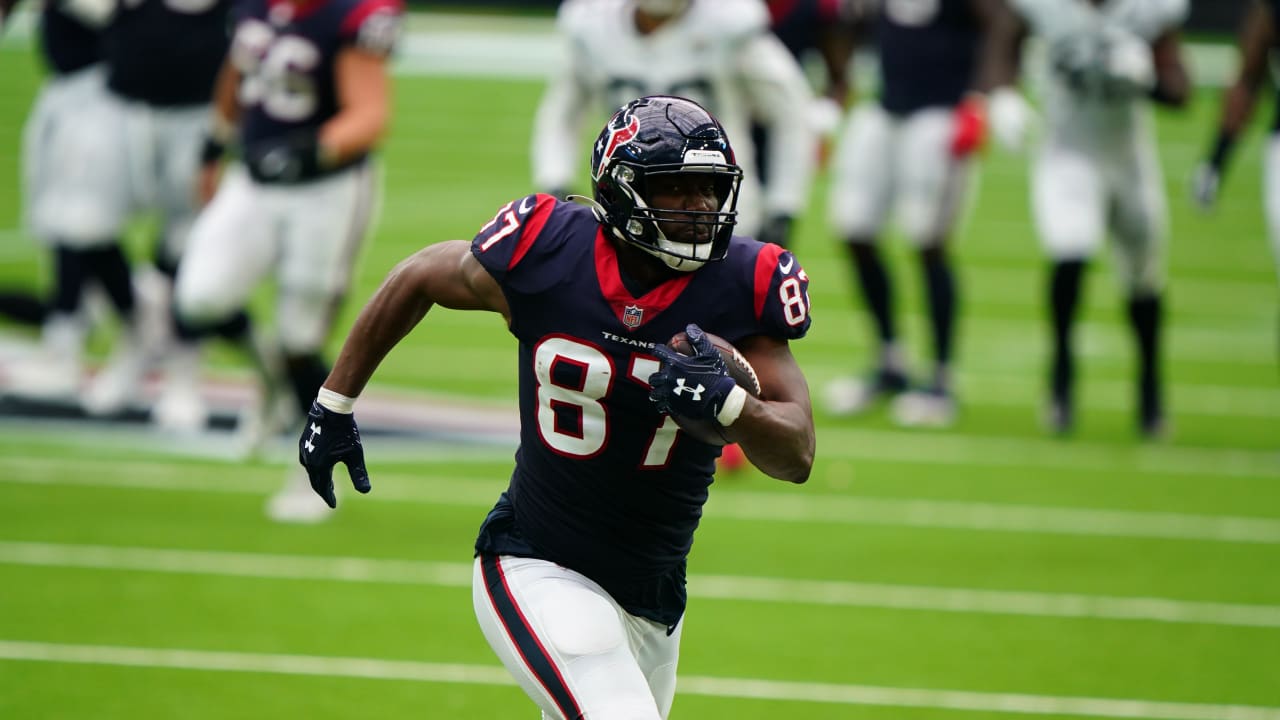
pixel 632 316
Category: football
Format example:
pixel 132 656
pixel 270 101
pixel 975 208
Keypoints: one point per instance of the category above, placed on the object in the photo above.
pixel 710 431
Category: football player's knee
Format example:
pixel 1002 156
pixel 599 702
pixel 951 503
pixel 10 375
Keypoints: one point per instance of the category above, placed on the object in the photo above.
pixel 198 304
pixel 582 623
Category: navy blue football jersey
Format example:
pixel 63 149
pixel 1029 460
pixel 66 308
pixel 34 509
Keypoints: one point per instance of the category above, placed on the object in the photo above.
pixel 66 43
pixel 603 483
pixel 166 52
pixel 928 53
pixel 286 52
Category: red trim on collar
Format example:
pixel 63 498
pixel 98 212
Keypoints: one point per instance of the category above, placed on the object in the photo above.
pixel 299 9
pixel 615 293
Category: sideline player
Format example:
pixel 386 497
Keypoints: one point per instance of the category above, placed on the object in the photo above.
pixel 162 57
pixel 911 151
pixel 307 93
pixel 1258 39
pixel 719 53
pixel 1097 171
pixel 579 581
pixel 72 201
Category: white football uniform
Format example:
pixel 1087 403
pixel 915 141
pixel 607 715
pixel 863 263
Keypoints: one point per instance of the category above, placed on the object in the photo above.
pixel 1098 169
pixel 570 646
pixel 72 152
pixel 1271 185
pixel 718 53
pixel 308 235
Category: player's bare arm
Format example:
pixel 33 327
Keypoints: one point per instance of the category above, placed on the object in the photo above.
pixel 1005 32
pixel 222 129
pixel 1173 84
pixel 364 92
pixel 776 432
pixel 443 274
pixel 1256 38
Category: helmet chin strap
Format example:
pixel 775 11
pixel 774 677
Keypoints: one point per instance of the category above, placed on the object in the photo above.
pixel 663 250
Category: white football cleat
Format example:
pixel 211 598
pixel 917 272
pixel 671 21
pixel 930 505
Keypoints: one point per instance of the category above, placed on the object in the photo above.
pixel 848 396
pixel 118 385
pixel 296 502
pixel 43 378
pixel 924 408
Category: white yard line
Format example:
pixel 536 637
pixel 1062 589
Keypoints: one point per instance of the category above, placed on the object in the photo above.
pixel 737 688
pixel 728 503
pixel 722 587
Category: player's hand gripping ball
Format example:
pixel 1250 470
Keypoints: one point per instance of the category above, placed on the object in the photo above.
pixel 702 384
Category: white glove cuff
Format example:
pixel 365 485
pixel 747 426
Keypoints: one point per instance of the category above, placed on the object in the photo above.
pixel 335 402
pixel 732 406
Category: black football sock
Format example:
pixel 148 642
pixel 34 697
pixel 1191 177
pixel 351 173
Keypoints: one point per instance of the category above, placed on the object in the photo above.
pixel 1066 279
pixel 875 286
pixel 940 288
pixel 24 308
pixel 1145 315
pixel 109 266
pixel 306 373
pixel 70 274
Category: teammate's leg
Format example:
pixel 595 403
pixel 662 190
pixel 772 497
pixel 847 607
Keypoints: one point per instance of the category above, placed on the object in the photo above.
pixel 325 225
pixel 1271 203
pixel 1069 208
pixel 932 191
pixel 862 190
pixel 566 642
pixel 1139 219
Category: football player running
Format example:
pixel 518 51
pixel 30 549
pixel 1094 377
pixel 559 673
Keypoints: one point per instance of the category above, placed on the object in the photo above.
pixel 719 53
pixel 911 150
pixel 579 579
pixel 305 94
pixel 1258 39
pixel 1097 171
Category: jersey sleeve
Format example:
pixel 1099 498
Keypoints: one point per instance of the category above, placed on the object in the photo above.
pixel 506 240
pixel 373 26
pixel 780 293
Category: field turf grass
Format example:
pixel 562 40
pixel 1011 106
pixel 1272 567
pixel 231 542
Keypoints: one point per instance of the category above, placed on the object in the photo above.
pixel 985 571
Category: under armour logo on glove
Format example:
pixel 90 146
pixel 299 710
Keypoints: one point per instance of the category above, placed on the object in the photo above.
pixel 692 386
pixel 681 387
pixel 328 439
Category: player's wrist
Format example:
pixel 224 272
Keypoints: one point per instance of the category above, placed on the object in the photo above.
pixel 335 402
pixel 733 406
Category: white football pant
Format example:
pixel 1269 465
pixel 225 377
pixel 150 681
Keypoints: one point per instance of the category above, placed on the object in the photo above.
pixel 76 193
pixel 1271 188
pixel 307 235
pixel 572 649
pixel 1080 194
pixel 887 164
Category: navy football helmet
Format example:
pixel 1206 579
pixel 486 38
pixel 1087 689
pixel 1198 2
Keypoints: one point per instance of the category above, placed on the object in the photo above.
pixel 664 135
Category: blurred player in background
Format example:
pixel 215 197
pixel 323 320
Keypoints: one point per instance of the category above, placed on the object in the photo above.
pixel 910 151
pixel 579 580
pixel 717 52
pixel 1258 38
pixel 162 57
pixel 823 30
pixel 1097 171
pixel 306 94
pixel 72 202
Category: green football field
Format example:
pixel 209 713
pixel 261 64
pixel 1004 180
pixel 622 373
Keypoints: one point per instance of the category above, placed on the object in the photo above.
pixel 987 571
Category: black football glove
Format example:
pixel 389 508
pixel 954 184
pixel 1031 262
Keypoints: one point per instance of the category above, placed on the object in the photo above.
pixel 776 229
pixel 285 159
pixel 694 387
pixel 328 439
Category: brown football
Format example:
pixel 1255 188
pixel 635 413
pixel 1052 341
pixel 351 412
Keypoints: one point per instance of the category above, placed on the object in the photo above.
pixel 710 431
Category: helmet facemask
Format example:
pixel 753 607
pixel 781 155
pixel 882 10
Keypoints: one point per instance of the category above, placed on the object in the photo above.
pixel 666 136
